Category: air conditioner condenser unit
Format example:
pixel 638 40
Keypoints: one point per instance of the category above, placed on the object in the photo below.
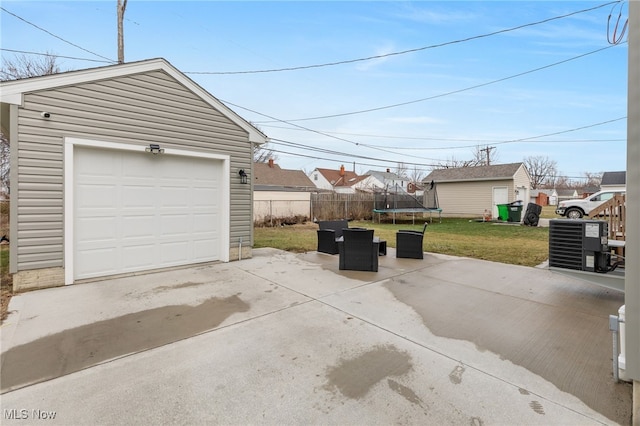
pixel 581 245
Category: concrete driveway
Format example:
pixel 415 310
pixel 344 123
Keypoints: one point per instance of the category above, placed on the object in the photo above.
pixel 289 339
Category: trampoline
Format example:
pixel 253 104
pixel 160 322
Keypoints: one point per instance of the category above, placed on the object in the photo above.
pixel 396 200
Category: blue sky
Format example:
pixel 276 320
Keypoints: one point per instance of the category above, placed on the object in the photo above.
pixel 439 115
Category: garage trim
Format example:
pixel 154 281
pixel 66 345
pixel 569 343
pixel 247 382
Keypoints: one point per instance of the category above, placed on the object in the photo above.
pixel 70 143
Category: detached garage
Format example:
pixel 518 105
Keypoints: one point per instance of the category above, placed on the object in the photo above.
pixel 123 169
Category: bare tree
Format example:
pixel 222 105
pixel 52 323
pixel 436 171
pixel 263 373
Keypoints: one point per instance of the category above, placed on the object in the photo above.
pixel 485 156
pixel 401 170
pixel 540 169
pixel 23 66
pixel 416 175
pixel 592 179
pixel 262 153
pixel 122 6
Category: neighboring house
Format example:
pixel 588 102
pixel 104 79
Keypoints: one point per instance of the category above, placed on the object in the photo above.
pixel 123 168
pixel 475 191
pixel 566 194
pixel 341 181
pixel 280 193
pixel 540 197
pixel 389 179
pixel 614 181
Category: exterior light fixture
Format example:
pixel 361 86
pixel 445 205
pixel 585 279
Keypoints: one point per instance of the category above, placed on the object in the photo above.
pixel 154 149
pixel 243 176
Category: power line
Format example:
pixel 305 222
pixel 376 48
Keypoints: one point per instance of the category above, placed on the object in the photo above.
pixel 435 139
pixel 56 55
pixel 403 52
pixel 53 35
pixel 453 92
pixel 333 152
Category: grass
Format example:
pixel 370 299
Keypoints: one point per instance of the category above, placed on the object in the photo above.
pixel 512 244
pixel 5 281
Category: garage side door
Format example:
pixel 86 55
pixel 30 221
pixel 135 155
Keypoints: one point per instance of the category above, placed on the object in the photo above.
pixel 136 211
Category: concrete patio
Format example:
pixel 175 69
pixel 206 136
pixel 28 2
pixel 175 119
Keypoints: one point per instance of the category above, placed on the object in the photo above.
pixel 289 339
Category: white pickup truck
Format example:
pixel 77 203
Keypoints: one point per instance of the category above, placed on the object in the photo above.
pixel 575 209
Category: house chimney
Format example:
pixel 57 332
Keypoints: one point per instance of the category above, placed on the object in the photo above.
pixel 271 163
pixel 342 170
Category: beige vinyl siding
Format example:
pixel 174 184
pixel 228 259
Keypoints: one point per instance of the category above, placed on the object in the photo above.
pixel 469 198
pixel 138 109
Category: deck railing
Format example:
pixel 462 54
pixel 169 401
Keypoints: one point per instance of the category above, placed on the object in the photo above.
pixel 614 212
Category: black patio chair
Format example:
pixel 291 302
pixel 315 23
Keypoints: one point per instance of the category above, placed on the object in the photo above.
pixel 409 243
pixel 329 233
pixel 358 250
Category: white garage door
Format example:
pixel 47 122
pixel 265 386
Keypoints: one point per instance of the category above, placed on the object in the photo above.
pixel 136 211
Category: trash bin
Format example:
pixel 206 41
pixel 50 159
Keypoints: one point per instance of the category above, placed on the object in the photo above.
pixel 503 211
pixel 515 211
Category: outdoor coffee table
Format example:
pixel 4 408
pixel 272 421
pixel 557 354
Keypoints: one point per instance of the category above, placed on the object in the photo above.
pixel 382 245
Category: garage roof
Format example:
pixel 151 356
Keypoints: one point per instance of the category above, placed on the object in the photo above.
pixel 12 91
pixel 496 172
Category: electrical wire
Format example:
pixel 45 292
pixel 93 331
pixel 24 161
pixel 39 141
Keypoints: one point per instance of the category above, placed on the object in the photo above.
pixel 441 95
pixel 424 138
pixel 615 37
pixel 56 55
pixel 403 52
pixel 440 162
pixel 53 35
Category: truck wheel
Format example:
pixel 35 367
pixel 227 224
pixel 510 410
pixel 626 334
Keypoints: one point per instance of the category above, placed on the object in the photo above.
pixel 574 213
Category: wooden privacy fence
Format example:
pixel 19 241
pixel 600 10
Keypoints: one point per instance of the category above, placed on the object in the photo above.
pixel 332 206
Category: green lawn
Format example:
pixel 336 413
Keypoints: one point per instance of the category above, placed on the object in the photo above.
pixel 514 244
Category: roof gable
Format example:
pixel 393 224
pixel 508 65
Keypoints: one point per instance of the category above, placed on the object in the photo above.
pixel 495 172
pixel 12 91
pixel 335 178
pixel 265 174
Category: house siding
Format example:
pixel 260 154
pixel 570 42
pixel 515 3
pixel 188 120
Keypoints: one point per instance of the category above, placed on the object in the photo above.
pixel 145 108
pixel 469 198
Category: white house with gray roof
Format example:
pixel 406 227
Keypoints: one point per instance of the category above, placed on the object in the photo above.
pixel 476 191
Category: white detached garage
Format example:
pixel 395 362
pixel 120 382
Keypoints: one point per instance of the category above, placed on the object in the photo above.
pixel 135 168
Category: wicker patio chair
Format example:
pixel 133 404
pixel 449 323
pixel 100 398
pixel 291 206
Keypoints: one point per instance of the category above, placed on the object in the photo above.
pixel 358 250
pixel 409 243
pixel 329 232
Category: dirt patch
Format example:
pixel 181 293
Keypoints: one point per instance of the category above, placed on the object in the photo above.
pixel 78 348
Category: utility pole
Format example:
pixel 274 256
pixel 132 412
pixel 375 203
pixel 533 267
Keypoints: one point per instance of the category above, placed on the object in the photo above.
pixel 122 5
pixel 487 151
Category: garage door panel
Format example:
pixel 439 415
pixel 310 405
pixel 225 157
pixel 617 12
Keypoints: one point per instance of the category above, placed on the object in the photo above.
pixel 175 197
pixel 96 262
pixel 202 223
pixel 137 227
pixel 137 211
pixel 174 253
pixel 203 250
pixel 135 256
pixel 96 195
pixel 176 225
pixel 90 229
pixel 138 196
